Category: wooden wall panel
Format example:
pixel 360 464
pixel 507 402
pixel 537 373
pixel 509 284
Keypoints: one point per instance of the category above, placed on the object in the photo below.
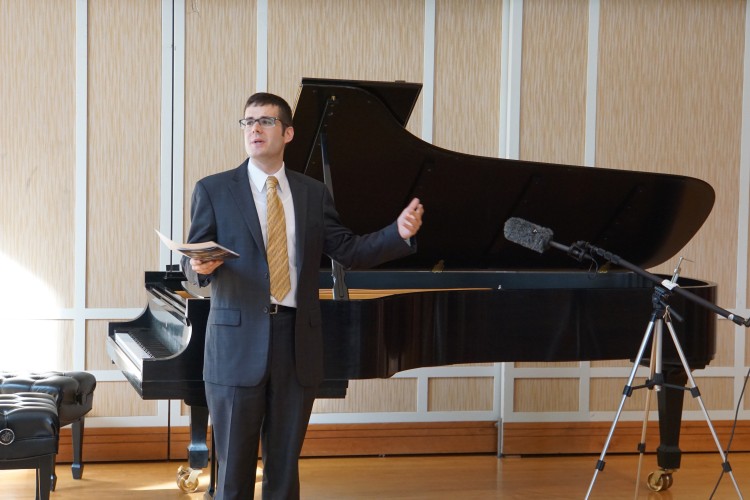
pixel 220 50
pixel 118 399
pixel 124 131
pixel 716 392
pixel 605 394
pixel 398 394
pixel 37 154
pixel 553 89
pixel 460 394
pixel 468 44
pixel 374 40
pixel 670 100
pixel 543 395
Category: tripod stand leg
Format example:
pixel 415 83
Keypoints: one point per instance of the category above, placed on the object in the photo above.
pixel 655 376
pixel 642 443
pixel 696 394
pixel 626 393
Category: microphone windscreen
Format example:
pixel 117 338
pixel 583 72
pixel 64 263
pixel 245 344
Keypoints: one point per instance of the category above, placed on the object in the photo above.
pixel 527 235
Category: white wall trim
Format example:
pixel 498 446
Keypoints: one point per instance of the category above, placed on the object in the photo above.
pixel 167 132
pixel 510 80
pixel 428 75
pixel 178 121
pixel 81 179
pixel 261 63
pixel 592 78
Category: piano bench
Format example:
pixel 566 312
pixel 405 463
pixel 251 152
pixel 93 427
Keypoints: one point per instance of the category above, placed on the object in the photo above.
pixel 29 432
pixel 73 393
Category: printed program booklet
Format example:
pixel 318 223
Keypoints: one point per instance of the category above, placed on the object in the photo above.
pixel 207 250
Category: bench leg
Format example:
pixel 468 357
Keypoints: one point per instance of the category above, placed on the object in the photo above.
pixel 77 467
pixel 44 476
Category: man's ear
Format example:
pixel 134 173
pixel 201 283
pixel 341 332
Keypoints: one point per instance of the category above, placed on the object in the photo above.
pixel 288 135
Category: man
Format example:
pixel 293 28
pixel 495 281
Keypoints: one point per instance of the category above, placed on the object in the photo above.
pixel 264 345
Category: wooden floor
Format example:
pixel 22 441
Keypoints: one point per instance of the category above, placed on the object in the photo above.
pixel 433 477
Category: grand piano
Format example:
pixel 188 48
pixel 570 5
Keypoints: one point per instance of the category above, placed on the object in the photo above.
pixel 472 295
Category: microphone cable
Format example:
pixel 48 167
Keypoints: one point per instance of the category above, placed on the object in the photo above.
pixel 731 434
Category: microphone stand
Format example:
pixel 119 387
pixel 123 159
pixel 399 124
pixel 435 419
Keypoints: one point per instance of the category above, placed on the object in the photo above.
pixel 660 316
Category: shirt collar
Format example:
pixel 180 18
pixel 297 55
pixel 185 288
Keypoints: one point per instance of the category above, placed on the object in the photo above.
pixel 258 177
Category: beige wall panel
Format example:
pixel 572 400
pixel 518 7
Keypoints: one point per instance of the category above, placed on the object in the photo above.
pixel 561 364
pixel 365 396
pixel 670 100
pixel 220 53
pixel 96 344
pixel 553 85
pixel 124 92
pixel 724 344
pixel 37 157
pixel 605 394
pixel 541 395
pixel 460 394
pixel 373 40
pixel 468 44
pixel 36 345
pixel 119 399
pixel 716 392
pixel 613 364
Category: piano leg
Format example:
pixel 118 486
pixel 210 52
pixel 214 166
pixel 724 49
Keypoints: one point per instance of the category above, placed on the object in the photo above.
pixel 670 400
pixel 198 449
pixel 187 477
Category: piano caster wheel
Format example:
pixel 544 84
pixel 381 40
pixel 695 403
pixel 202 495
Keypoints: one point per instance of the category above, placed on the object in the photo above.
pixel 187 479
pixel 660 480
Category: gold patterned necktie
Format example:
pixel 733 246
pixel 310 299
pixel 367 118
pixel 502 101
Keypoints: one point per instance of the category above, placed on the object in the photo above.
pixel 276 252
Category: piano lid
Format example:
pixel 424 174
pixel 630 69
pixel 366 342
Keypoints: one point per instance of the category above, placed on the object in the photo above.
pixel 377 167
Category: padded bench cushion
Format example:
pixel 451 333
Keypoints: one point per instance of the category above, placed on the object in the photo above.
pixel 72 391
pixel 29 425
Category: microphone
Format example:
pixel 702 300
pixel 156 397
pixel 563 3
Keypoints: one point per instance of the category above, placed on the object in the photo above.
pixel 539 238
pixel 527 235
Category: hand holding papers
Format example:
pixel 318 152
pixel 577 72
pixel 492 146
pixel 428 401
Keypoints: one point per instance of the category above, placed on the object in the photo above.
pixel 205 251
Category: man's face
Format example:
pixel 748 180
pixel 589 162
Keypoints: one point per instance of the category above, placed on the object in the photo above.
pixel 266 145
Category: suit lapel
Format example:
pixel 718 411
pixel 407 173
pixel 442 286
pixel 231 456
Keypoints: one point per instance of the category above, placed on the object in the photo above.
pixel 240 189
pixel 299 195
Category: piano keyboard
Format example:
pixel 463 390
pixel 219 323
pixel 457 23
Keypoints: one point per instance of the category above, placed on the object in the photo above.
pixel 140 345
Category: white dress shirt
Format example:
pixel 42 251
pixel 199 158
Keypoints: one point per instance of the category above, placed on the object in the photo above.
pixel 258 188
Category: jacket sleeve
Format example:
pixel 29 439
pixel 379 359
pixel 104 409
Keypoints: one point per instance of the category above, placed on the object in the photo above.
pixel 360 252
pixel 202 228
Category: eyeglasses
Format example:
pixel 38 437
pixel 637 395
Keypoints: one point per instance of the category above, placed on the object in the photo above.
pixel 265 122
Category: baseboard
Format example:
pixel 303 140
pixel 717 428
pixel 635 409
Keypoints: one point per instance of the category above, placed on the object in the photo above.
pixel 154 443
pixel 325 440
pixel 590 437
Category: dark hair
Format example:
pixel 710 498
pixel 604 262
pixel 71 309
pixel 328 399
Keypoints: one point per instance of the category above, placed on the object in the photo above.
pixel 265 99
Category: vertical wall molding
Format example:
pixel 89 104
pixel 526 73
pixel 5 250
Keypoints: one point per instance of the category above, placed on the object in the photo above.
pixel 166 187
pixel 510 80
pixel 261 57
pixel 510 119
pixel 81 187
pixel 428 76
pixel 592 72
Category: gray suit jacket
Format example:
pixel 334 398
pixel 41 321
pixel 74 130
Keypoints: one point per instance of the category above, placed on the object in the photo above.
pixel 238 332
